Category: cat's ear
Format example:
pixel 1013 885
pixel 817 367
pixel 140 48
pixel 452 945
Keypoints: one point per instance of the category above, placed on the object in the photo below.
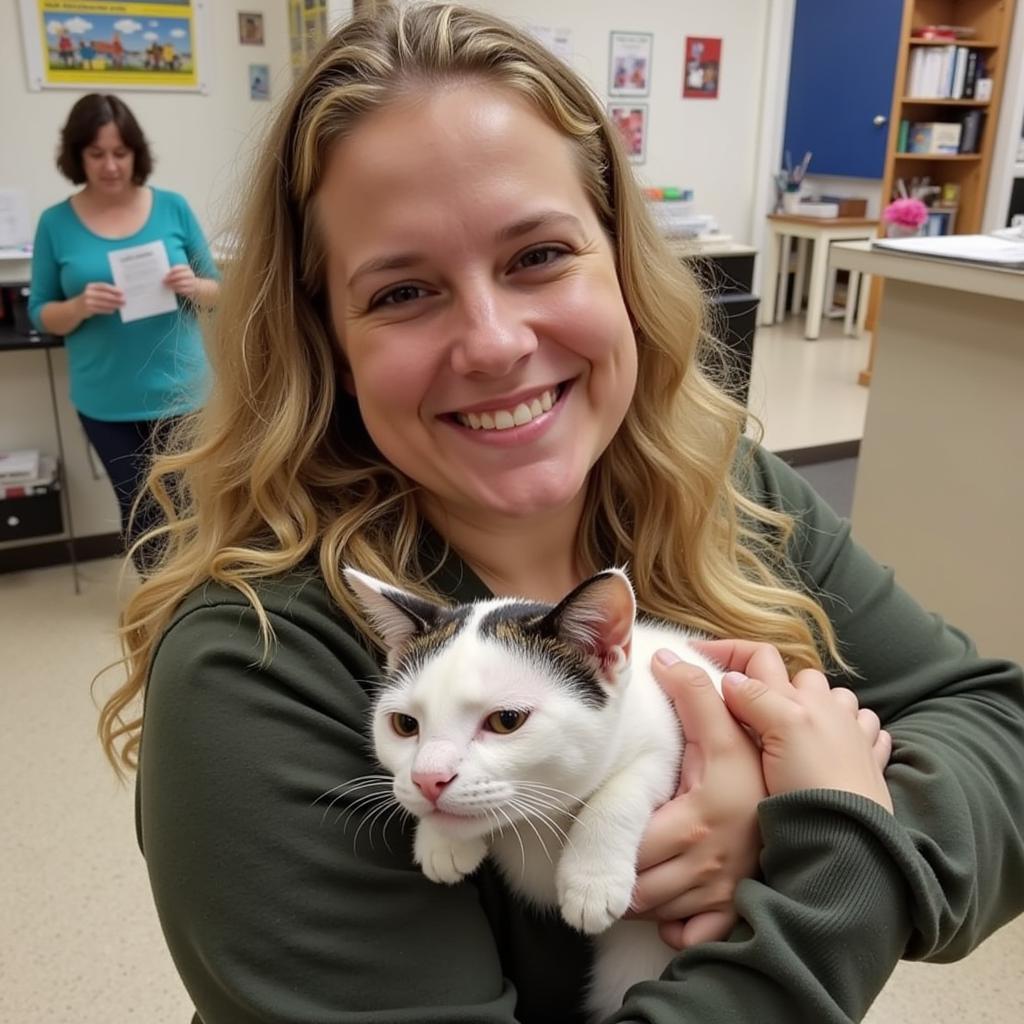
pixel 395 614
pixel 598 617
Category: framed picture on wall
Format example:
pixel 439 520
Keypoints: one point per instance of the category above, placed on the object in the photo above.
pixel 631 120
pixel 83 44
pixel 702 65
pixel 629 63
pixel 250 28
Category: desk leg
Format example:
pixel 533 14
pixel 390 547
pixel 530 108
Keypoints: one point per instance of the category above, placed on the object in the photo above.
pixel 863 301
pixel 854 290
pixel 769 278
pixel 801 272
pixel 780 299
pixel 816 289
pixel 62 474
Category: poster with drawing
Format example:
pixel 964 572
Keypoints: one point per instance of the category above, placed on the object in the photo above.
pixel 702 61
pixel 631 120
pixel 629 63
pixel 99 44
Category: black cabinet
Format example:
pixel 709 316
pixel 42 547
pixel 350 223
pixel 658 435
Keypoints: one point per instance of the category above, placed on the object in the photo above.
pixel 728 281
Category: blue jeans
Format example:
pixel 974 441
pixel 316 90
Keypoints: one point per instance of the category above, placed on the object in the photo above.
pixel 126 451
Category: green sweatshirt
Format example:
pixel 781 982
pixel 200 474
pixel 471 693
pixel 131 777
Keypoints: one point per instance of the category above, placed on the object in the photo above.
pixel 281 908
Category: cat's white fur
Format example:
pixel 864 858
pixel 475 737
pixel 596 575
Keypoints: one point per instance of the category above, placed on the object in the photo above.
pixel 562 803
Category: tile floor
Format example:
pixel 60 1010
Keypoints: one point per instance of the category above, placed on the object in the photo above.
pixel 81 943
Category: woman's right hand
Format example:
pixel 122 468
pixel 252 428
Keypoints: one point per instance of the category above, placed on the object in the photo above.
pixel 99 297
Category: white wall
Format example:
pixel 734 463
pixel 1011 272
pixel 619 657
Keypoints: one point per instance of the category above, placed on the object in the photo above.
pixel 200 144
pixel 707 145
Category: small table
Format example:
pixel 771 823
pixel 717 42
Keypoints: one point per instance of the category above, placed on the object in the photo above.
pixel 782 228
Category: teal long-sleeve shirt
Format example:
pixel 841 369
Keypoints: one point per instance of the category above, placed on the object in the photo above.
pixel 281 908
pixel 141 370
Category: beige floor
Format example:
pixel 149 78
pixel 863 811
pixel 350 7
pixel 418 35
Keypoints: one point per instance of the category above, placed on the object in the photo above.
pixel 80 941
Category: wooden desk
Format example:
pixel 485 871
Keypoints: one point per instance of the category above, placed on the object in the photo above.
pixel 782 228
pixel 939 488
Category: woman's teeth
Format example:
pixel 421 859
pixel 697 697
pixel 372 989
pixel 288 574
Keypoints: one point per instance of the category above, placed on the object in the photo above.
pixel 505 419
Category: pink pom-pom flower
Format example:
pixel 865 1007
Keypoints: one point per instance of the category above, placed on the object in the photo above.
pixel 911 213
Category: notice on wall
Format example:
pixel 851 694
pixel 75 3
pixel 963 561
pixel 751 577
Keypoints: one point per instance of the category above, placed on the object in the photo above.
pixel 702 62
pixel 100 44
pixel 557 40
pixel 629 63
pixel 631 120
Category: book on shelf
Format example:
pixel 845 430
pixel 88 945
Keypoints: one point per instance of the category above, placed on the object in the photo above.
pixel 934 138
pixel 970 136
pixel 943 72
pixel 18 466
pixel 942 138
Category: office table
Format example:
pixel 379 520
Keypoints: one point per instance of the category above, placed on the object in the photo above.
pixel 939 488
pixel 782 229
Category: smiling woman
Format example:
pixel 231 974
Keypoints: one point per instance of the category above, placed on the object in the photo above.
pixel 455 355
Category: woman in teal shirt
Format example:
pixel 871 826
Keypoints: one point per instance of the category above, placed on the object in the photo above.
pixel 129 381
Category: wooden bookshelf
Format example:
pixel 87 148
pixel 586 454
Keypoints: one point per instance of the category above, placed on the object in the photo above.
pixel 992 21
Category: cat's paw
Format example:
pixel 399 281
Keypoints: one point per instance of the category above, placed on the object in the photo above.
pixel 447 860
pixel 593 895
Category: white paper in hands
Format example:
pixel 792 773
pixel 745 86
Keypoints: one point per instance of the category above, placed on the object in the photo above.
pixel 139 272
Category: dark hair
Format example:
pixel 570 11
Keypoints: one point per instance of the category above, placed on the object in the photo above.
pixel 87 117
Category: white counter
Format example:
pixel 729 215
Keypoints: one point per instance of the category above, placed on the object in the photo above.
pixel 940 480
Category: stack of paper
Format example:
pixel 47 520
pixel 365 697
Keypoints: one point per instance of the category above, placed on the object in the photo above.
pixel 40 483
pixel 970 248
pixel 18 466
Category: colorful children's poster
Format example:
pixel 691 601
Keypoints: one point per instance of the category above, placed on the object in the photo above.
pixel 631 120
pixel 702 60
pixel 128 44
pixel 629 70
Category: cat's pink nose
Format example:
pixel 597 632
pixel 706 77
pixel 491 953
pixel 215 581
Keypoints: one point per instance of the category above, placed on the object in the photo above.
pixel 431 784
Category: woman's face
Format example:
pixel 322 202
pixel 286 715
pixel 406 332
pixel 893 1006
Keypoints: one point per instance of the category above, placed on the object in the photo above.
pixel 108 162
pixel 476 300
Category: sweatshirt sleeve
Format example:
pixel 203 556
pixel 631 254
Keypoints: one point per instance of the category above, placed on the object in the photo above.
pixel 45 286
pixel 278 906
pixel 957 722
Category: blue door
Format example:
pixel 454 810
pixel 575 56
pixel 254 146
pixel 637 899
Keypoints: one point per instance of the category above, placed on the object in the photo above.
pixel 841 77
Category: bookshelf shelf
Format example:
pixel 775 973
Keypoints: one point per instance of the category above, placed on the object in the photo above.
pixel 925 101
pixel 953 157
pixel 974 44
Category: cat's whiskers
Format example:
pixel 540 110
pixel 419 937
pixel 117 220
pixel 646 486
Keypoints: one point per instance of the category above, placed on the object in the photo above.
pixel 526 817
pixel 363 804
pixel 357 783
pixel 369 820
pixel 351 787
pixel 522 849
pixel 541 789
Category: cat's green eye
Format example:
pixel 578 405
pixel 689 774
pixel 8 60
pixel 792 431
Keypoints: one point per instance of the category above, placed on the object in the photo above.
pixel 504 722
pixel 404 725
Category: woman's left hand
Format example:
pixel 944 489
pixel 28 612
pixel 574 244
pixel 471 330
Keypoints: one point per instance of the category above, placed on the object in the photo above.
pixel 704 841
pixel 182 280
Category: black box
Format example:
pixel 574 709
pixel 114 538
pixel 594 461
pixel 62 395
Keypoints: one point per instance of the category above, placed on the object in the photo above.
pixel 34 515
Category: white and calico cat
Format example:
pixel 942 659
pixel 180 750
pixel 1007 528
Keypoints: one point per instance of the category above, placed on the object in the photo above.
pixel 538 734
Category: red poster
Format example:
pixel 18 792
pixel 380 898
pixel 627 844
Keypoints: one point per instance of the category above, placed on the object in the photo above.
pixel 702 61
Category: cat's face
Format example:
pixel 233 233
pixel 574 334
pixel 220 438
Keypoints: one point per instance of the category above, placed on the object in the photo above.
pixel 501 711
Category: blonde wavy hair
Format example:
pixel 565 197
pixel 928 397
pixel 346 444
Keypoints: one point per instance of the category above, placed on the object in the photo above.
pixel 278 468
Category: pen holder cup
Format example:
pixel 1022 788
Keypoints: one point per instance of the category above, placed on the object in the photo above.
pixel 790 202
